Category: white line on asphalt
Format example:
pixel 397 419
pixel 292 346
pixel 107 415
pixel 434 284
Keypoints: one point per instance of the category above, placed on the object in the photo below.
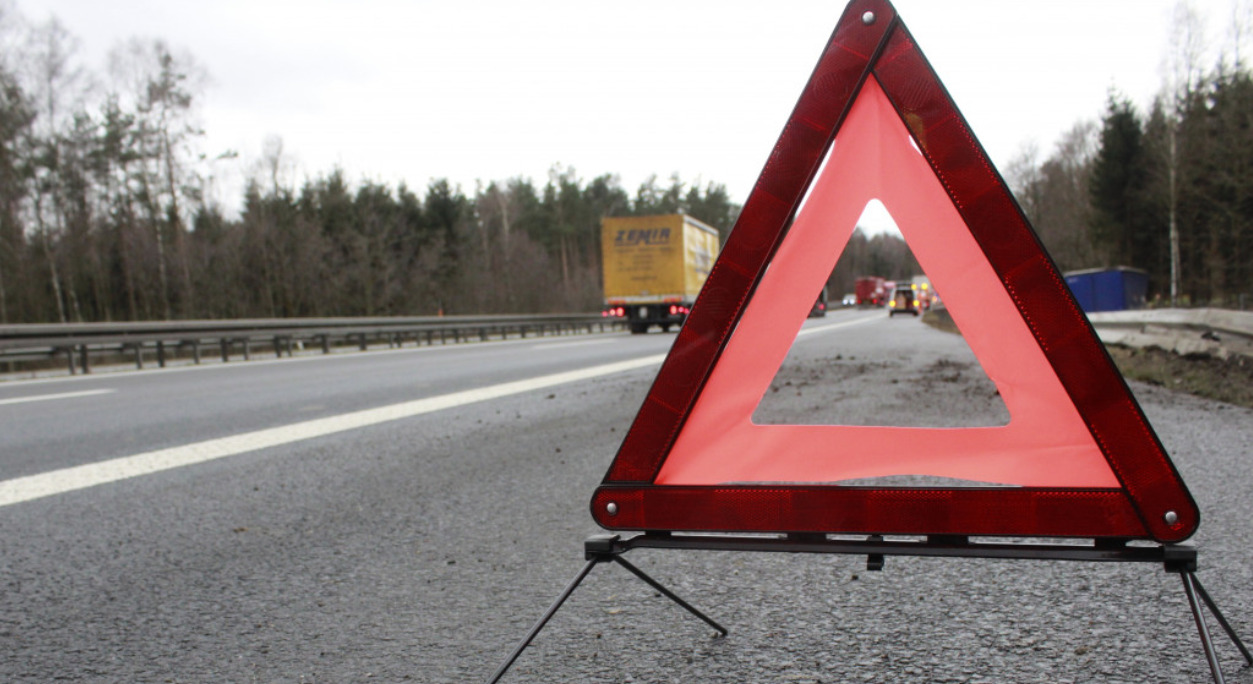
pixel 557 345
pixel 50 397
pixel 54 482
pixel 835 326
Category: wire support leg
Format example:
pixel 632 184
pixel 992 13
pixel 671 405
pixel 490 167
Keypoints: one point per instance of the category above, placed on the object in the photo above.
pixel 552 610
pixel 1218 614
pixel 1189 588
pixel 669 594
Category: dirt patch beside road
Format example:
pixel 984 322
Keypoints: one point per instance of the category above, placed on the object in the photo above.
pixel 1229 380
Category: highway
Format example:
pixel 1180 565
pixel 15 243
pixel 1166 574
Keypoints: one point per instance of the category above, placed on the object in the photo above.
pixel 405 515
pixel 47 424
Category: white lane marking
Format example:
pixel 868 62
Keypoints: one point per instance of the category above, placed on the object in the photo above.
pixel 50 397
pixel 559 345
pixel 836 326
pixel 54 482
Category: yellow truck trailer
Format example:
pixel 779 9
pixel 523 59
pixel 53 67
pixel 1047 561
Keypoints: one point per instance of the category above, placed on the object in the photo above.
pixel 654 266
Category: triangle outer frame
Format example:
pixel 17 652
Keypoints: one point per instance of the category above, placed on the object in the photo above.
pixel 1151 486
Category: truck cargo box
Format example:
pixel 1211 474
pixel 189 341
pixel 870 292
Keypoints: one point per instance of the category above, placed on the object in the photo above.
pixel 654 266
pixel 1108 289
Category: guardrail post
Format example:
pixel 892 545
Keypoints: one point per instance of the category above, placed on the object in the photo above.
pixel 226 349
pixel 82 350
pixel 482 334
pixel 326 343
pixel 195 350
pixel 160 354
pixel 247 342
pixel 139 355
pixel 69 356
pixel 364 342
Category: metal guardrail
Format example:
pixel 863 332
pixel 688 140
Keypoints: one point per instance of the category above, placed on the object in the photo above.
pixel 79 342
pixel 1212 332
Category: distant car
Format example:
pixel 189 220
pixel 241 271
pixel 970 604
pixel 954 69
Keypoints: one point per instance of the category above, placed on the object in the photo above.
pixel 850 300
pixel 819 309
pixel 904 300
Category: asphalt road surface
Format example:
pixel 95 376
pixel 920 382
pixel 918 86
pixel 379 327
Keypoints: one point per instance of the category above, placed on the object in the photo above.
pixel 406 515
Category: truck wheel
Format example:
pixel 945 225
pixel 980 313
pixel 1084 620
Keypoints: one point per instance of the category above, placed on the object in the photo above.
pixel 639 328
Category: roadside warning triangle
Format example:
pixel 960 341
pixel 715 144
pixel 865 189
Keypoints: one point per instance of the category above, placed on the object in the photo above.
pixel 1077 458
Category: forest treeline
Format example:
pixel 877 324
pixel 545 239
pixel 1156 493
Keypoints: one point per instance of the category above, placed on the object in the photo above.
pixel 107 208
pixel 107 212
pixel 512 247
pixel 1169 190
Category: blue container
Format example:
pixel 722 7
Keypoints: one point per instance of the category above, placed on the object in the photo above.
pixel 1109 289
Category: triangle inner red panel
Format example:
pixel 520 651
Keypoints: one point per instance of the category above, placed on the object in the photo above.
pixel 1078 454
pixel 1045 444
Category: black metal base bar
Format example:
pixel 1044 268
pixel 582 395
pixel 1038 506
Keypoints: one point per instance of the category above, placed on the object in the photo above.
pixel 552 610
pixel 1192 587
pixel 1175 558
pixel 598 549
pixel 1206 643
pixel 1086 550
pixel 669 594
pixel 1218 614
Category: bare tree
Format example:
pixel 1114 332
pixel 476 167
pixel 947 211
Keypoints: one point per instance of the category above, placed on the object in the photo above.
pixel 1240 32
pixel 160 87
pixel 276 165
pixel 1183 73
pixel 56 86
pixel 1054 196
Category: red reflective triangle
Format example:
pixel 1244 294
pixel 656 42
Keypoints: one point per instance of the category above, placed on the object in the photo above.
pixel 1078 455
pixel 1045 443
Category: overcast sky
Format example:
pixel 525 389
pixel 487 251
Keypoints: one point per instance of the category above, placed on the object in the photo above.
pixel 407 90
